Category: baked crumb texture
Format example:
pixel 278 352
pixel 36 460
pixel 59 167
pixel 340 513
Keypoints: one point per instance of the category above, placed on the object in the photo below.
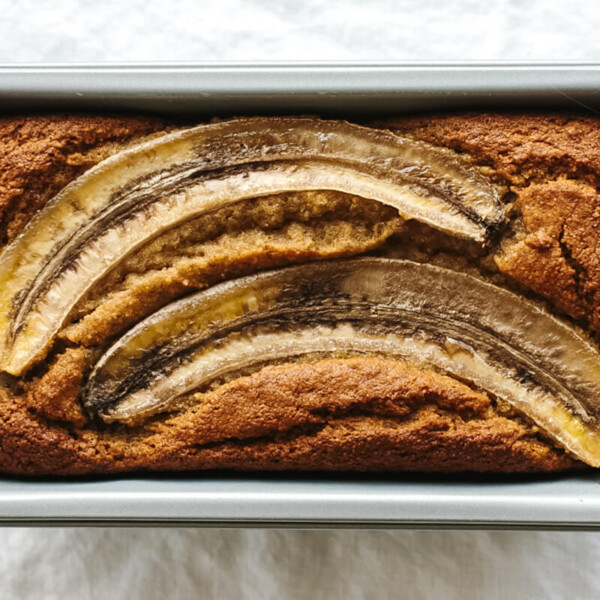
pixel 352 414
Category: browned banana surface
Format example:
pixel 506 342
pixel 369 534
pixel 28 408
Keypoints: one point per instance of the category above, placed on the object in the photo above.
pixel 423 314
pixel 122 203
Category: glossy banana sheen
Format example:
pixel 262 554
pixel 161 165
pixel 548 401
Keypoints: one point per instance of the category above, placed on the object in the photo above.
pixel 427 315
pixel 133 196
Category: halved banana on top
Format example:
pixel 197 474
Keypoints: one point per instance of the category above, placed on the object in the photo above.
pixel 427 315
pixel 124 201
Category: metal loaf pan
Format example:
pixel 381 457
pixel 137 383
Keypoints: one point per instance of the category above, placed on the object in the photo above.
pixel 344 90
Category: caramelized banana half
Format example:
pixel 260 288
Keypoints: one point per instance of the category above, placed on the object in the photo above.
pixel 123 202
pixel 429 316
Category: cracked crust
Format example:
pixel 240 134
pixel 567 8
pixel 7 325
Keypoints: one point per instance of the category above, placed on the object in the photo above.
pixel 344 414
pixel 559 253
pixel 552 165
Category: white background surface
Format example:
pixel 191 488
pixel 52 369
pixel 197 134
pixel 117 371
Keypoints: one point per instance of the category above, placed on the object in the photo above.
pixel 194 563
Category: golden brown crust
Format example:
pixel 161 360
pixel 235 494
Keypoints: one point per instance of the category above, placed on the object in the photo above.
pixel 40 155
pixel 55 395
pixel 354 414
pixel 521 148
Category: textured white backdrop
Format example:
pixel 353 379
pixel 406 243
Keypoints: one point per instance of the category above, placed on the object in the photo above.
pixel 189 563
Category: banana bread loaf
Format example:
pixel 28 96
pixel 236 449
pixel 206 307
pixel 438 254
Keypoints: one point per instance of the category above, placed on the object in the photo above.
pixel 419 294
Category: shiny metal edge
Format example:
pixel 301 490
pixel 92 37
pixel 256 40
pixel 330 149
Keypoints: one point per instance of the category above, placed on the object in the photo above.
pixel 352 88
pixel 570 502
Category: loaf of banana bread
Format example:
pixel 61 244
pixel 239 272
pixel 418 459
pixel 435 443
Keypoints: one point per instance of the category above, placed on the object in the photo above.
pixel 293 293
